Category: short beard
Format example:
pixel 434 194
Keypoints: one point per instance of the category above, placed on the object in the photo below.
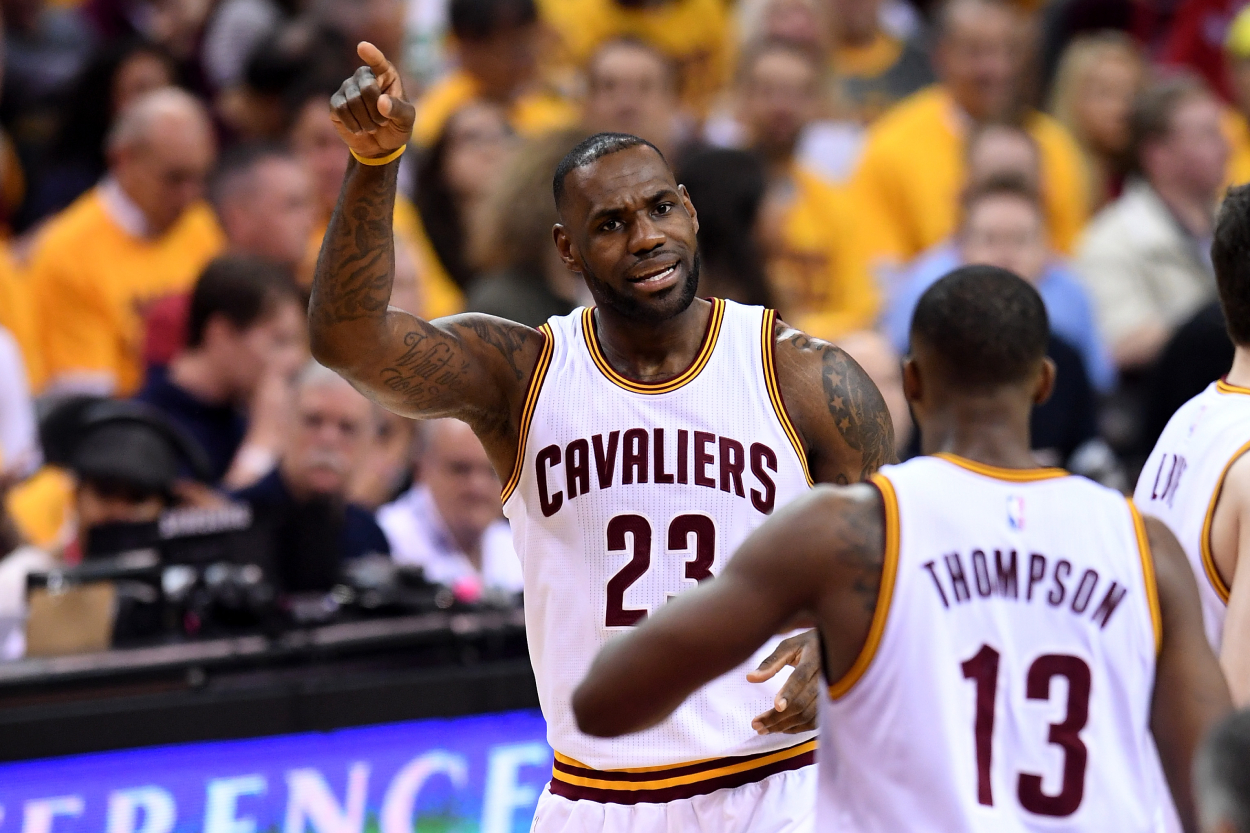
pixel 631 309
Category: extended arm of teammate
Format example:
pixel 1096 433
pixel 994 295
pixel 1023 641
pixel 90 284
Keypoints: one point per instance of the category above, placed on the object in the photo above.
pixel 848 434
pixel 821 555
pixel 473 367
pixel 1232 526
pixel 1190 694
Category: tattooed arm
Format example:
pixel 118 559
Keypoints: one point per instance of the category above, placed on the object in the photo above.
pixel 819 557
pixel 473 367
pixel 837 410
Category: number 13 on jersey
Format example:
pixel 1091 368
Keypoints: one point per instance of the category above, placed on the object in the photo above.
pixel 690 536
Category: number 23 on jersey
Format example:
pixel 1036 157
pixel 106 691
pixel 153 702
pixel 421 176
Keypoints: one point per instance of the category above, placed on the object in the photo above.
pixel 690 536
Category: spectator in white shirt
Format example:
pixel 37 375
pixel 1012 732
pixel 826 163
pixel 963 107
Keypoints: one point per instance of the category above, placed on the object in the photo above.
pixel 450 523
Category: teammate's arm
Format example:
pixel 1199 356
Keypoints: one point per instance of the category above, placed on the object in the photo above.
pixel 473 367
pixel 1190 694
pixel 1230 540
pixel 839 413
pixel 820 556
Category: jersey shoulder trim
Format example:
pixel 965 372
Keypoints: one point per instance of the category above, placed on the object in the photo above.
pixel 653 785
pixel 1208 556
pixel 999 473
pixel 768 349
pixel 1148 574
pixel 1225 387
pixel 669 385
pixel 885 595
pixel 527 412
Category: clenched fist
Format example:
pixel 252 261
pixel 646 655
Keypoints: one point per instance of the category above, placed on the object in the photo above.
pixel 369 110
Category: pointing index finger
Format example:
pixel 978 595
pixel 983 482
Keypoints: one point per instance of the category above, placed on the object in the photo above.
pixel 374 58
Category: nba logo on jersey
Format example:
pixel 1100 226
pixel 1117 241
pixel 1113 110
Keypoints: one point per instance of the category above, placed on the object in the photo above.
pixel 1015 512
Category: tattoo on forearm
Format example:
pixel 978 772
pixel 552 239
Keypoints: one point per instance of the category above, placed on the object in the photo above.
pixel 356 265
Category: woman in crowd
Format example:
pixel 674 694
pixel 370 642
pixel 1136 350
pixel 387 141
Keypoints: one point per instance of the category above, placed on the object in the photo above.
pixel 454 179
pixel 1098 77
pixel 522 276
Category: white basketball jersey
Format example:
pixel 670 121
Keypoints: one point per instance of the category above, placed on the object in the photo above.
pixel 1181 482
pixel 628 493
pixel 1007 678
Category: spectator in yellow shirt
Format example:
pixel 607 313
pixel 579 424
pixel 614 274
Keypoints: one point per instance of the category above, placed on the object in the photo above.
pixel 142 234
pixel 497 45
pixel 817 277
pixel 315 141
pixel 695 34
pixel 17 315
pixel 871 67
pixel 907 185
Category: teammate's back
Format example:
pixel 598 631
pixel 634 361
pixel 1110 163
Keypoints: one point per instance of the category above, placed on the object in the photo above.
pixel 1006 646
pixel 1011 686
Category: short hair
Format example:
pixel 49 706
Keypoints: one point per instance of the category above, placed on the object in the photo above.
pixel 999 185
pixel 946 11
pixel 1154 108
pixel 1230 254
pixel 134 123
pixel 236 169
pixel 672 75
pixel 479 19
pixel 1222 774
pixel 240 288
pixel 986 325
pixel 591 150
pixel 754 52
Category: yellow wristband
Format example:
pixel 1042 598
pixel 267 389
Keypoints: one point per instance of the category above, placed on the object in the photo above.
pixel 375 161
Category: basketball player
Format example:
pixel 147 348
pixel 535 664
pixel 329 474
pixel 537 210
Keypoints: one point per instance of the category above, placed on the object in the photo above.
pixel 1000 640
pixel 1197 479
pixel 639 442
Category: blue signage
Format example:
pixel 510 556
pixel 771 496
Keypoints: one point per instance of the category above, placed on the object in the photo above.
pixel 478 774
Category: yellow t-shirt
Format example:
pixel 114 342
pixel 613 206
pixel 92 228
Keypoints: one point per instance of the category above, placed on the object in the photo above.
pixel 92 282
pixel 42 507
pixel 696 34
pixel 440 294
pixel 17 315
pixel 820 283
pixel 906 188
pixel 1237 131
pixel 532 114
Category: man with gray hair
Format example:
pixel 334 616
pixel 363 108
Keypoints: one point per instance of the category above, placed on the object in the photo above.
pixel 302 505
pixel 141 234
pixel 1222 777
pixel 449 523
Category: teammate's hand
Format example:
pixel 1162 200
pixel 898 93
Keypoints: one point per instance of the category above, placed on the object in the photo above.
pixel 797 704
pixel 369 110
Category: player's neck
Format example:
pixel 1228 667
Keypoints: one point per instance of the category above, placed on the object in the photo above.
pixel 981 430
pixel 653 352
pixel 1239 375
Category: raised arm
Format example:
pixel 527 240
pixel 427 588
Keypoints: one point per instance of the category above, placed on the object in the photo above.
pixel 1190 693
pixel 820 556
pixel 473 367
pixel 838 412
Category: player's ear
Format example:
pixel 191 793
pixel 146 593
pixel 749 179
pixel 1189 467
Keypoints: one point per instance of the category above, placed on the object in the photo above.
pixel 913 387
pixel 1045 382
pixel 685 200
pixel 564 246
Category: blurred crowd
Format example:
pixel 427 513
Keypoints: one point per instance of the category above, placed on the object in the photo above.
pixel 168 168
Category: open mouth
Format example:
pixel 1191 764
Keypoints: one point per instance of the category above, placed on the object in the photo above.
pixel 656 277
